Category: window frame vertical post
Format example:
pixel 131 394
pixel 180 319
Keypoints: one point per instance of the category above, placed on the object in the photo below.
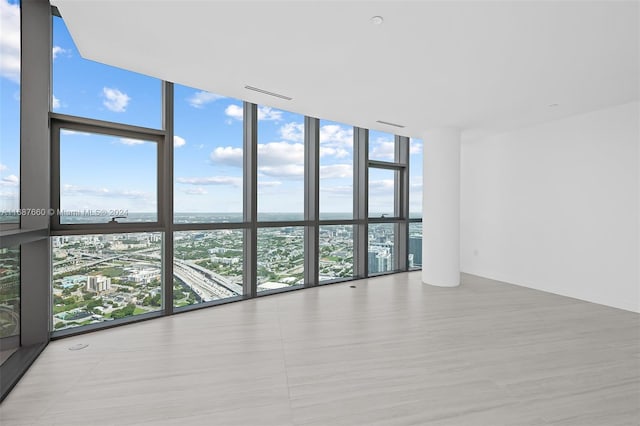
pixel 35 172
pixel 250 199
pixel 311 200
pixel 165 198
pixel 360 201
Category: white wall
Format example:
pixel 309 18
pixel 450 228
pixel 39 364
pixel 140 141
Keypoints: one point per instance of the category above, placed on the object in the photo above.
pixel 555 207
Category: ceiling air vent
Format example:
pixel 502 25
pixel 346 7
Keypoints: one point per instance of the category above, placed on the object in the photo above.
pixel 266 92
pixel 390 124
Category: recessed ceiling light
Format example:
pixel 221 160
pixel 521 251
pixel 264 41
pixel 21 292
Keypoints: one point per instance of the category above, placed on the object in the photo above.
pixel 377 20
pixel 553 105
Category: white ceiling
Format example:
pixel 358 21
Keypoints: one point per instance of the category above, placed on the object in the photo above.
pixel 477 65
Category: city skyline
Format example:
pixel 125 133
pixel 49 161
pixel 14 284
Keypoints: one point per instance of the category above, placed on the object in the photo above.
pixel 99 278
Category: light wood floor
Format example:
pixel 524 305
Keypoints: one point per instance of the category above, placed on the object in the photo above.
pixel 390 352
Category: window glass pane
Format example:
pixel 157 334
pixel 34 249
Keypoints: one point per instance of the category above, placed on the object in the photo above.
pixel 280 257
pixel 336 252
pixel 336 170
pixel 10 107
pixel 207 266
pixel 207 157
pixel 9 301
pixel 415 245
pixel 100 278
pixel 381 146
pixel 105 176
pixel 90 89
pixel 381 256
pixel 280 165
pixel 415 178
pixel 381 192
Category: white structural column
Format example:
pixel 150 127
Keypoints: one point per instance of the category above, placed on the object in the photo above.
pixel 441 207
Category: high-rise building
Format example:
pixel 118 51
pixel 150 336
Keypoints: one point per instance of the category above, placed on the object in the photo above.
pixel 385 261
pixel 98 283
pixel 373 262
pixel 415 248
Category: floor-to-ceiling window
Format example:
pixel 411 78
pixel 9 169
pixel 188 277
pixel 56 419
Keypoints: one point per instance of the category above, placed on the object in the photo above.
pixel 414 260
pixel 387 202
pixel 336 225
pixel 10 117
pixel 107 178
pixel 280 199
pixel 208 176
pixel 24 169
pixel 9 175
pixel 169 197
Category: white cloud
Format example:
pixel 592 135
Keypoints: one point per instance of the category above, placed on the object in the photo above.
pixel 291 171
pixel 292 132
pixel 381 187
pixel 178 141
pixel 73 132
pixel 70 190
pixel 55 102
pixel 57 50
pixel 3 167
pixel 341 191
pixel 415 146
pixel 326 151
pixel 266 113
pixel 129 141
pixel 383 149
pixel 234 111
pixel 275 159
pixel 200 99
pixel 11 180
pixel 280 154
pixel 416 183
pixel 336 171
pixel 10 41
pixel 269 184
pixel 115 100
pixel 335 141
pixel 196 191
pixel 212 180
pixel 334 134
pixel 281 159
pixel 289 157
pixel 227 155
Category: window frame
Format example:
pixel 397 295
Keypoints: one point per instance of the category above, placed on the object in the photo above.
pixel 61 122
pixel 400 220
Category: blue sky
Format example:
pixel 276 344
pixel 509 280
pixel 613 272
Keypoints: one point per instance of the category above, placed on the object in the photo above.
pixel 99 172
